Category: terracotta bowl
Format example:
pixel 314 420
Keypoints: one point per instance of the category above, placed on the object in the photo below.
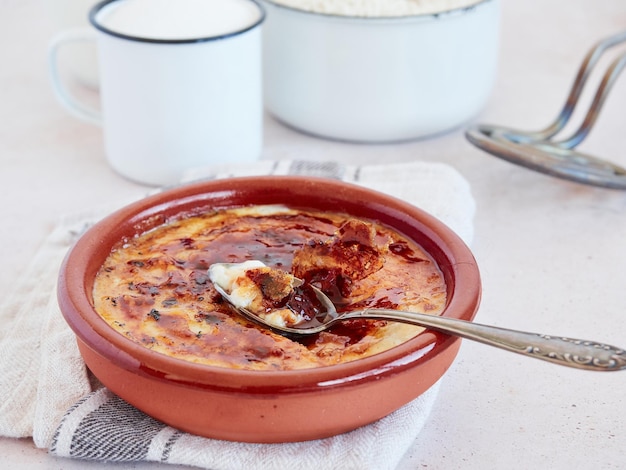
pixel 268 406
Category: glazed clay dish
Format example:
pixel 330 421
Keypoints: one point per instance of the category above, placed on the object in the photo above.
pixel 150 325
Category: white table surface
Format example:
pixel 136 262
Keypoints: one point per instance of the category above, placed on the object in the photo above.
pixel 552 253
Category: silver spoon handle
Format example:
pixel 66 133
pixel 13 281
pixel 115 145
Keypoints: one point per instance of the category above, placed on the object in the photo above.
pixel 577 353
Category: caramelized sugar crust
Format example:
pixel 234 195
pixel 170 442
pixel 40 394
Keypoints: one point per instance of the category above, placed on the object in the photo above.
pixel 156 291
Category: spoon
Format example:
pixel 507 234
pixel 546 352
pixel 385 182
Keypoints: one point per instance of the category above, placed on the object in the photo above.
pixel 576 353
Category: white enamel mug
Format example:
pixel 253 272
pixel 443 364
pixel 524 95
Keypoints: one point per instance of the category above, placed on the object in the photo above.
pixel 379 79
pixel 180 84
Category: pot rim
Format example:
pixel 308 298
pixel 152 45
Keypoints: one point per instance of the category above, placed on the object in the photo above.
pixel 420 17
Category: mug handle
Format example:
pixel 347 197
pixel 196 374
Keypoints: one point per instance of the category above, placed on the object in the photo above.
pixel 73 105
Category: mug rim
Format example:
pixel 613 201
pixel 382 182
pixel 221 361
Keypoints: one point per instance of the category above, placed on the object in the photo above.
pixel 93 13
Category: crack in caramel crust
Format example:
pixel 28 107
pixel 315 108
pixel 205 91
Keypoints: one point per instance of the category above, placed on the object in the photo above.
pixel 155 289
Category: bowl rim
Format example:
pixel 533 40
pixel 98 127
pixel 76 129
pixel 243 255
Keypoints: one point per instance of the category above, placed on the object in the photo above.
pixel 80 265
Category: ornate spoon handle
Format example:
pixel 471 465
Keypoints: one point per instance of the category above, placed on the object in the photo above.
pixel 577 353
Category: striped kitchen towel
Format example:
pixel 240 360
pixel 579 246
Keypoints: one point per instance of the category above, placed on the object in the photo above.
pixel 46 391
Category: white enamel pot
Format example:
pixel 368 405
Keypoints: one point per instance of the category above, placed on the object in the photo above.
pixel 379 79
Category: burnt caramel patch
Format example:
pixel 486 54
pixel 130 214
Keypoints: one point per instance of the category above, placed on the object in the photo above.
pixel 334 264
pixel 274 285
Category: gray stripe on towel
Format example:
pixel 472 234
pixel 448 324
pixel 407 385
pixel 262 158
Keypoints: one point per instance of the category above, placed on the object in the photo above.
pixel 115 432
pixel 321 169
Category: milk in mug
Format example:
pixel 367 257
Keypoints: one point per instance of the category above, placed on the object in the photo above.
pixel 178 20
